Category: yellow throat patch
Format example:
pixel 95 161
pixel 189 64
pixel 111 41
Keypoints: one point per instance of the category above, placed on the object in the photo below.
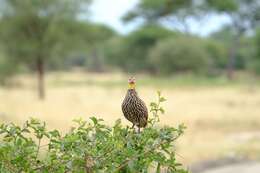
pixel 131 85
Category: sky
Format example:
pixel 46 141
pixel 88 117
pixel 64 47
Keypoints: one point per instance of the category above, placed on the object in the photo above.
pixel 110 12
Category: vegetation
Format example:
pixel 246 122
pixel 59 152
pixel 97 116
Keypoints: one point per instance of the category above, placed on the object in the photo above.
pixel 256 62
pixel 179 54
pixel 208 106
pixel 53 35
pixel 38 37
pixel 37 34
pixel 7 69
pixel 135 47
pixel 244 16
pixel 90 147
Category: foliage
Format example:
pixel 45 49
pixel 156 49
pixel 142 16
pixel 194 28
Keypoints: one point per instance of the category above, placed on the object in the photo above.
pixel 90 147
pixel 222 40
pixel 244 17
pixel 223 35
pixel 131 52
pixel 38 30
pixel 114 50
pixel 181 54
pixel 218 53
pixel 244 14
pixel 256 61
pixel 83 47
pixel 7 69
pixel 152 11
pixel 52 34
pixel 229 5
pixel 35 35
pixel 153 8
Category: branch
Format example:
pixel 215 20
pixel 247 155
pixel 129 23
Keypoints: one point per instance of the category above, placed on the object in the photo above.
pixel 144 154
pixel 38 148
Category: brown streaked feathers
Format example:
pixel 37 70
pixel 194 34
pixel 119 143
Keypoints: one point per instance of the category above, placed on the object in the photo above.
pixel 134 109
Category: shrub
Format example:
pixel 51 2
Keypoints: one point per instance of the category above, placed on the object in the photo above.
pixel 7 69
pixel 130 53
pixel 255 64
pixel 218 53
pixel 180 54
pixel 89 147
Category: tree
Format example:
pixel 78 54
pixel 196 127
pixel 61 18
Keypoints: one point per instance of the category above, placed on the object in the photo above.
pixel 181 54
pixel 256 62
pixel 171 12
pixel 7 69
pixel 114 51
pixel 218 53
pixel 244 54
pixel 88 52
pixel 244 16
pixel 131 51
pixel 98 35
pixel 33 31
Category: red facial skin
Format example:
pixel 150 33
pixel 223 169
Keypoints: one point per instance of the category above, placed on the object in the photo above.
pixel 131 80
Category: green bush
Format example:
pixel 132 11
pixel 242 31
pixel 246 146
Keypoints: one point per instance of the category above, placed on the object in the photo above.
pixel 130 53
pixel 256 61
pixel 89 147
pixel 182 54
pixel 218 53
pixel 115 52
pixel 8 67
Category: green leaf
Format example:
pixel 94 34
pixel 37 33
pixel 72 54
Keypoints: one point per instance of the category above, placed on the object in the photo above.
pixel 110 147
pixel 153 104
pixel 34 121
pixel 162 99
pixel 26 130
pixel 162 110
pixel 94 120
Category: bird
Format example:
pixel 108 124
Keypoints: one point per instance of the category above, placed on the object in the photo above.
pixel 133 108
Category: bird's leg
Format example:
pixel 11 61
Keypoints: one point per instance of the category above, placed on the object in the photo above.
pixel 139 127
pixel 133 126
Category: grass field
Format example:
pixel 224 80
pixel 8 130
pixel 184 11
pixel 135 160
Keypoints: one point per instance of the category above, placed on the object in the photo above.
pixel 223 118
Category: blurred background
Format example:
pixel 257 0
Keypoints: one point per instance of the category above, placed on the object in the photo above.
pixel 63 59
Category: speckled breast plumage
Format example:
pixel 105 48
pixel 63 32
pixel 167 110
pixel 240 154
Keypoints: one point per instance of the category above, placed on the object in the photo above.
pixel 134 109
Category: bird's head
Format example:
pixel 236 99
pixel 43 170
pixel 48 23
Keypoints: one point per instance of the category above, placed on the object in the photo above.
pixel 131 83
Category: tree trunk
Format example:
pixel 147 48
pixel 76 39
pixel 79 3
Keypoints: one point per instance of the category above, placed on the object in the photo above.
pixel 96 64
pixel 40 77
pixel 232 57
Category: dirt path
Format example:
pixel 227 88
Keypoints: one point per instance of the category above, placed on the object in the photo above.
pixel 249 167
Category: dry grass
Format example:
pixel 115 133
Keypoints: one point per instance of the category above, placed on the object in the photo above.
pixel 216 116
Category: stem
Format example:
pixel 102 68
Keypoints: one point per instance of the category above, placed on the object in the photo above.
pixel 38 148
pixel 156 110
pixel 158 169
pixel 9 166
pixel 144 154
pixel 89 164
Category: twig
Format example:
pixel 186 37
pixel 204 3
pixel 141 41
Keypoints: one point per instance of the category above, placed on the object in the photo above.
pixel 9 166
pixel 89 163
pixel 38 148
pixel 145 153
